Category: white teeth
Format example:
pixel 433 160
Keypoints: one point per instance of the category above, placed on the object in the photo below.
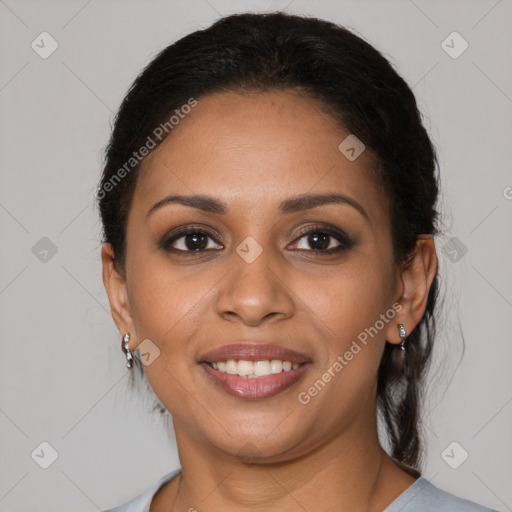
pixel 261 368
pixel 231 367
pixel 254 369
pixel 245 368
pixel 277 366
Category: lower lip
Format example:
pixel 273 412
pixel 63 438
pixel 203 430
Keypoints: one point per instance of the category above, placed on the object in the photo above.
pixel 254 388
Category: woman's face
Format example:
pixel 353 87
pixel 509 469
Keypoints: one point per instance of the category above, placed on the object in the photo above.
pixel 252 276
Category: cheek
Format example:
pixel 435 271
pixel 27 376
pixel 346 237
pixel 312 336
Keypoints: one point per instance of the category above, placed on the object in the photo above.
pixel 345 316
pixel 166 301
pixel 168 309
pixel 346 310
pixel 349 299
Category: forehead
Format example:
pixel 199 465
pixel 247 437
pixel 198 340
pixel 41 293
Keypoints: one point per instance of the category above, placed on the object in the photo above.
pixel 254 147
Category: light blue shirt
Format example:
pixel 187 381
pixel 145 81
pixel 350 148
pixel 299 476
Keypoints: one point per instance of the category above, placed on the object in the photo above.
pixel 421 496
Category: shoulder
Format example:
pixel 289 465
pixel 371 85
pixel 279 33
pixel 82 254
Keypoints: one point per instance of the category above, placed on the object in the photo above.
pixel 141 502
pixel 423 496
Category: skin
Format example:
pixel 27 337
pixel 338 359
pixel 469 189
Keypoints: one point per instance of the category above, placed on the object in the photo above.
pixel 253 151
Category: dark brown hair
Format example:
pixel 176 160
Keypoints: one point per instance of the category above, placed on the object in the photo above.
pixel 362 91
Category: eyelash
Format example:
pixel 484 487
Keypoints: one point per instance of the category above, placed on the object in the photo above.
pixel 343 239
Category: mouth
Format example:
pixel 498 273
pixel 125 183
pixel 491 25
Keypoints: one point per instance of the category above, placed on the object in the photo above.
pixel 254 371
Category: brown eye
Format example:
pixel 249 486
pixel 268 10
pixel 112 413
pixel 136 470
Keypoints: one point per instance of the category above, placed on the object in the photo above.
pixel 323 240
pixel 190 240
pixel 319 240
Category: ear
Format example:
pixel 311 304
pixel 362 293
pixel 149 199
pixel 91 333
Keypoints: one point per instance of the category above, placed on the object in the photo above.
pixel 415 281
pixel 115 285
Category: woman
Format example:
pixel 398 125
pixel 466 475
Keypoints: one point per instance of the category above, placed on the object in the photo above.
pixel 268 204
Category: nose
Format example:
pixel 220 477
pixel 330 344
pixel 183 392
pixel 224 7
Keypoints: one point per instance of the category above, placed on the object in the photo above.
pixel 255 292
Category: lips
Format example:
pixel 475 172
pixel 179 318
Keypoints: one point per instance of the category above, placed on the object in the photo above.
pixel 254 388
pixel 253 352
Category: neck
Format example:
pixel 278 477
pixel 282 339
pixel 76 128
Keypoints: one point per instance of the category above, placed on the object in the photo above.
pixel 351 470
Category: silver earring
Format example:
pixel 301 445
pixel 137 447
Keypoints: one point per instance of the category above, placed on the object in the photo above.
pixel 401 333
pixel 126 349
pixel 400 354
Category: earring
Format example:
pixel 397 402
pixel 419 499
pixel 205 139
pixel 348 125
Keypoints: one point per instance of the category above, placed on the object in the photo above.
pixel 401 333
pixel 400 354
pixel 126 349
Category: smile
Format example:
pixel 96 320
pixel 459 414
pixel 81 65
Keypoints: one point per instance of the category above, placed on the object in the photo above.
pixel 250 385
pixel 254 369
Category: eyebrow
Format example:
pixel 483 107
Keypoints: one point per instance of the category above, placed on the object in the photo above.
pixel 293 204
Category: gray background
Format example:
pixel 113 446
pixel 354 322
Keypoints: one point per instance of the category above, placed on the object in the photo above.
pixel 63 377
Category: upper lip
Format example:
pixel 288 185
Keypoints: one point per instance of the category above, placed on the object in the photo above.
pixel 248 351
